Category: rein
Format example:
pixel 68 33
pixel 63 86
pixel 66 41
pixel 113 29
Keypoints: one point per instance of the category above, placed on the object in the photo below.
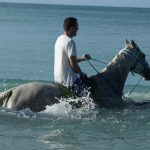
pixel 102 62
pixel 93 66
pixel 101 75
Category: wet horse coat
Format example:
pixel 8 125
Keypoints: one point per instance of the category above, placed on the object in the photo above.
pixel 106 86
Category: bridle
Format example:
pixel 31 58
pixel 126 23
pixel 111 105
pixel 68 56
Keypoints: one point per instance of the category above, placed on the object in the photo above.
pixel 136 60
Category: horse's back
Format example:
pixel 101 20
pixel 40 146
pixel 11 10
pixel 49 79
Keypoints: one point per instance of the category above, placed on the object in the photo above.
pixel 33 95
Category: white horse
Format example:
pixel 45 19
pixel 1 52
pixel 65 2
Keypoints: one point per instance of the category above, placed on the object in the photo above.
pixel 106 86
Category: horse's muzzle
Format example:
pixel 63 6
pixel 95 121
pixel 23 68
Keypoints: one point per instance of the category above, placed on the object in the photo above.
pixel 147 75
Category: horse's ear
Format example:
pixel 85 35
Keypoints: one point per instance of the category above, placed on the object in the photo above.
pixel 133 44
pixel 126 42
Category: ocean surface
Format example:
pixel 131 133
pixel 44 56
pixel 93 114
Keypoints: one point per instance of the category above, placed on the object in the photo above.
pixel 27 37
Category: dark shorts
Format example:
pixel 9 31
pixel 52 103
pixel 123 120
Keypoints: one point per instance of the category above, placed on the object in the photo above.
pixel 80 89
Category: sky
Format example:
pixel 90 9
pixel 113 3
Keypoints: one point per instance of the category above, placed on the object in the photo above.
pixel 122 3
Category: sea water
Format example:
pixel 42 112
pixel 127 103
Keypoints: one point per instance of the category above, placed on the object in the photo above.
pixel 27 37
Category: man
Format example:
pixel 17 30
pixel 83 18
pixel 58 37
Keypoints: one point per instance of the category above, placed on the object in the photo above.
pixel 66 69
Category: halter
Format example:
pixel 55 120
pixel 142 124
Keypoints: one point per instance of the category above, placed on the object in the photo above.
pixel 136 59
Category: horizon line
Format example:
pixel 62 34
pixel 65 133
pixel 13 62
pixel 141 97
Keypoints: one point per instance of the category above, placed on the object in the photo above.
pixel 73 5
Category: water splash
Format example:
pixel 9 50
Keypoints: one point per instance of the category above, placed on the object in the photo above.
pixel 139 96
pixel 64 109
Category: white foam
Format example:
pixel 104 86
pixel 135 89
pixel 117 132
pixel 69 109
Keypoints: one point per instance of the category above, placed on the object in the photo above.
pixel 65 110
pixel 139 96
pixel 62 110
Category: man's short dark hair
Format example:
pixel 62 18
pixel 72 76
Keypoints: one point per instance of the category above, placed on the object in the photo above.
pixel 69 22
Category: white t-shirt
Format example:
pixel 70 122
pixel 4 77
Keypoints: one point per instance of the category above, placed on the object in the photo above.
pixel 64 48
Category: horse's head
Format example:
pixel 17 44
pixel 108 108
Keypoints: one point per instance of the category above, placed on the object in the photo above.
pixel 139 64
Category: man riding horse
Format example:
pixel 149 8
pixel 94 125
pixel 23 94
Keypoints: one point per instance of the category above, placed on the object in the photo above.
pixel 66 68
pixel 106 86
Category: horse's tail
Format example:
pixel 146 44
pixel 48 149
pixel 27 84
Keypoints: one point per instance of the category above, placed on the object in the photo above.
pixel 4 96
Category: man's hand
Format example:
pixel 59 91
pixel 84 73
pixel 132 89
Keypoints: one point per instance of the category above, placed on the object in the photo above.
pixel 86 57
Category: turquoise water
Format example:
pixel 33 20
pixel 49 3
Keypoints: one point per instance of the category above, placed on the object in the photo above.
pixel 27 36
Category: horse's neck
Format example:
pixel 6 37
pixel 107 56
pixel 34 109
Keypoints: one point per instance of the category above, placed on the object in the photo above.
pixel 115 73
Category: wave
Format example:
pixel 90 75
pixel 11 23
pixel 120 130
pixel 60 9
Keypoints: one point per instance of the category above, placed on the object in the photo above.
pixel 140 94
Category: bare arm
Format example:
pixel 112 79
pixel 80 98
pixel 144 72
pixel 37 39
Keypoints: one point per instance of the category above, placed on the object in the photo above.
pixel 74 65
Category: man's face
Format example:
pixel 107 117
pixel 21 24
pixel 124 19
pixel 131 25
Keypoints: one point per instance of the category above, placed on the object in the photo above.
pixel 74 30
